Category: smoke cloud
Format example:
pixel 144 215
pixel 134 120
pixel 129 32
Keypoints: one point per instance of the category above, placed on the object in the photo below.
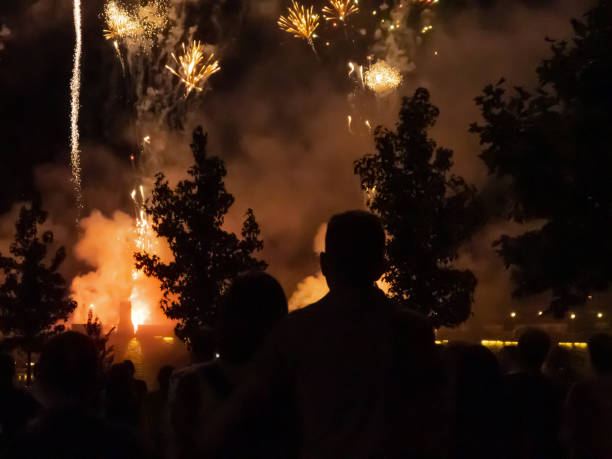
pixel 278 118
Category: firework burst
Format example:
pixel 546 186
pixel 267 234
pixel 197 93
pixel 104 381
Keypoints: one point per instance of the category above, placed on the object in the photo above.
pixel 382 78
pixel 120 24
pixel 339 10
pixel 194 69
pixel 301 22
pixel 153 17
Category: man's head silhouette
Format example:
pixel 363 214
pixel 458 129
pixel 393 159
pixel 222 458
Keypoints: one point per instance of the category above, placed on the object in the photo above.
pixel 354 250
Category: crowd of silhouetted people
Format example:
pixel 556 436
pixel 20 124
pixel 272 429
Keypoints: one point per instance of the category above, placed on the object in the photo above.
pixel 353 375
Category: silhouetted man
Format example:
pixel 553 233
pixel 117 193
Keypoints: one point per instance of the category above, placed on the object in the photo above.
pixel 534 403
pixel 359 370
pixel 589 406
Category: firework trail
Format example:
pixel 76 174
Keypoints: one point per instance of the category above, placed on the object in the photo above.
pixel 116 45
pixel 301 22
pixel 75 89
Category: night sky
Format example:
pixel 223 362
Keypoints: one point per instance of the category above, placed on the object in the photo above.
pixel 274 113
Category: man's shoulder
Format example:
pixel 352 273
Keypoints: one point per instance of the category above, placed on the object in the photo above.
pixel 402 312
pixel 189 376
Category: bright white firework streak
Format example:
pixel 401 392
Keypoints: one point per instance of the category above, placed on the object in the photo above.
pixel 75 89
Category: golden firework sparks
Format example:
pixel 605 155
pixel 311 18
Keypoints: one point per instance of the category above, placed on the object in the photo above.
pixel 382 78
pixel 120 24
pixel 145 241
pixel 194 69
pixel 339 10
pixel 353 69
pixel 301 22
pixel 121 61
pixel 75 91
pixel 153 17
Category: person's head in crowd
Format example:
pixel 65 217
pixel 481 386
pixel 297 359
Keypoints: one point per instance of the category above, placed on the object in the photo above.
pixel 509 359
pixel 119 376
pixel 202 344
pixel 130 367
pixel 252 305
pixel 600 352
pixel 69 370
pixel 472 369
pixel 558 365
pixel 533 347
pixel 163 378
pixel 354 250
pixel 7 371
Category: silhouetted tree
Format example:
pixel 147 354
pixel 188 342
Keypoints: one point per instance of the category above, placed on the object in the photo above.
pixel 33 296
pixel 555 144
pixel 206 257
pixel 427 211
pixel 93 329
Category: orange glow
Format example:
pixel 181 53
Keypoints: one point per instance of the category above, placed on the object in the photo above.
pixel 312 288
pixel 107 245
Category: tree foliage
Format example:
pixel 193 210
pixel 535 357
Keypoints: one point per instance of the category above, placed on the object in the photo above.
pixel 34 297
pixel 555 144
pixel 427 211
pixel 94 329
pixel 206 257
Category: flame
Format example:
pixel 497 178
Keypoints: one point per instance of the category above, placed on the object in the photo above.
pixel 141 308
pixel 107 245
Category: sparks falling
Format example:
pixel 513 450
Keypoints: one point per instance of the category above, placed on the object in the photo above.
pixel 121 61
pixel 382 78
pixel 75 89
pixel 119 23
pixel 359 69
pixel 153 17
pixel 145 240
pixel 301 22
pixel 193 68
pixel 339 10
